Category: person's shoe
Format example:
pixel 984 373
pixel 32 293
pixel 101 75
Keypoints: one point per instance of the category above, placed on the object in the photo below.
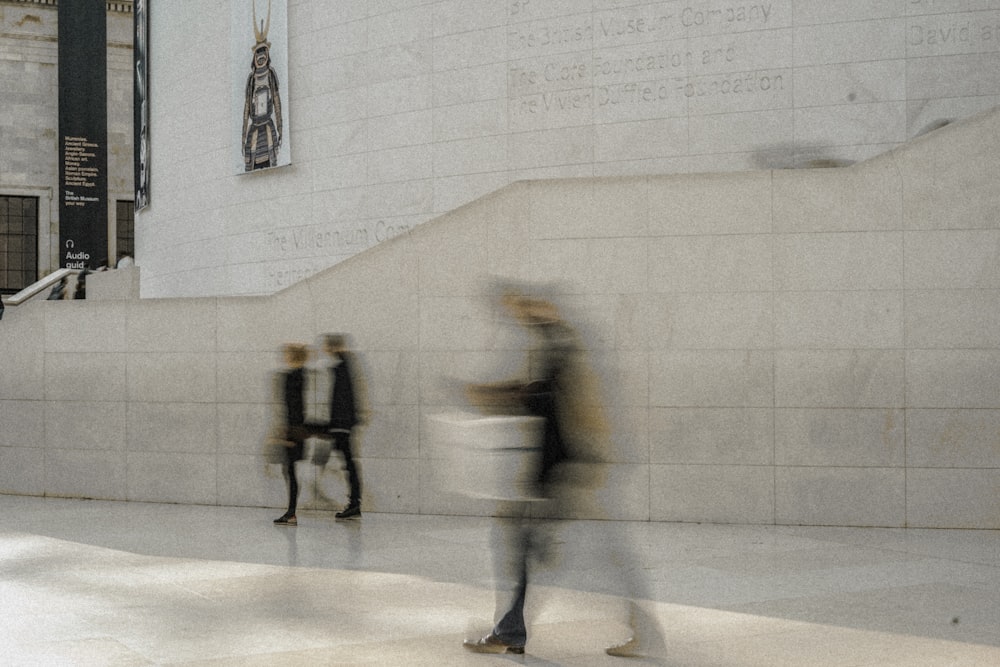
pixel 646 640
pixel 286 520
pixel 354 509
pixel 627 649
pixel 491 644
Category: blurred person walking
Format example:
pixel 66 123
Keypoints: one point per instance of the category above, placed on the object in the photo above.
pixel 572 462
pixel 541 397
pixel 344 417
pixel 58 291
pixel 292 382
pixel 81 284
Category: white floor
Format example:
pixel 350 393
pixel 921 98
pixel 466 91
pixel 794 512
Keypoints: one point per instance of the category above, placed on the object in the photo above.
pixel 105 583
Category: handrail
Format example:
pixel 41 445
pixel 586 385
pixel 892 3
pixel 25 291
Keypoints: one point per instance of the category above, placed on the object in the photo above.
pixel 39 286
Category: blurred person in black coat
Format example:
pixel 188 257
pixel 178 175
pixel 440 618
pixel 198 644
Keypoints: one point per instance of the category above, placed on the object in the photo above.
pixel 344 417
pixel 293 396
pixel 572 463
pixel 542 396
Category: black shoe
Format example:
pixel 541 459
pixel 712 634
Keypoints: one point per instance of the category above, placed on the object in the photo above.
pixel 354 509
pixel 286 520
pixel 491 644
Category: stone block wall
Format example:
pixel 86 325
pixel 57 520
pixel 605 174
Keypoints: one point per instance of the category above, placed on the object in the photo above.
pixel 400 111
pixel 811 347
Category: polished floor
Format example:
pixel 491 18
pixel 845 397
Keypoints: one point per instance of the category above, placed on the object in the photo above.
pixel 111 583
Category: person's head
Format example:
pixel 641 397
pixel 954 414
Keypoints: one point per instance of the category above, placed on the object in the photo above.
pixel 334 344
pixel 295 354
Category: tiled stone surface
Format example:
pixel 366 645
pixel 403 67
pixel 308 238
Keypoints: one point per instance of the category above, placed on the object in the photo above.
pixel 171 584
pixel 795 364
pixel 400 112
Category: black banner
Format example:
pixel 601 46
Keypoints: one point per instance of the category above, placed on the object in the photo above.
pixel 83 133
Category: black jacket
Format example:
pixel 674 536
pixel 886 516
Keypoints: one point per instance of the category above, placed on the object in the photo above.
pixel 542 396
pixel 343 406
pixel 295 408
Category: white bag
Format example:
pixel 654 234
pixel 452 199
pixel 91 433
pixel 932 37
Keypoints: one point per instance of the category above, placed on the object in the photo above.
pixel 495 457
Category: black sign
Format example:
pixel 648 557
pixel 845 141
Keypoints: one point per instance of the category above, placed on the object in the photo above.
pixel 83 133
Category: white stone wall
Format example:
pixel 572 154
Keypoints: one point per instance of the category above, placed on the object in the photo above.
pixel 402 110
pixel 788 346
